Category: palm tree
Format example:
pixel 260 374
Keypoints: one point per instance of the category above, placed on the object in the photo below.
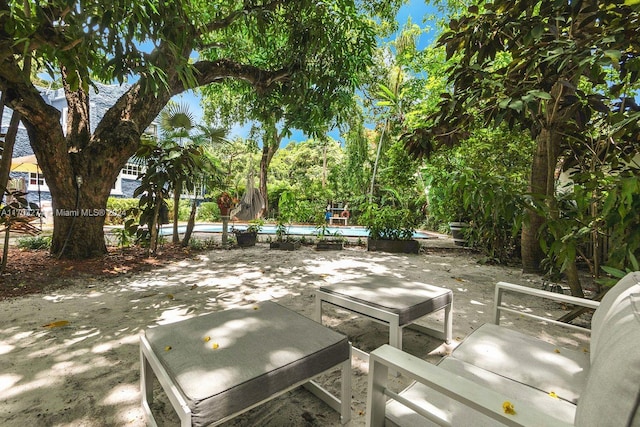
pixel 180 161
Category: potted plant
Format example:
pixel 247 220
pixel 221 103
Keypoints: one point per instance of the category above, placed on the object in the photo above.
pixel 248 236
pixel 327 240
pixel 283 240
pixel 390 228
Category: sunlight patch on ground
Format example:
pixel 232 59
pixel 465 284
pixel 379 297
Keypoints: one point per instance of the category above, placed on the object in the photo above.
pixel 124 393
pixel 7 381
pixel 85 334
pixel 17 390
pixel 173 314
pixel 5 347
pixel 344 269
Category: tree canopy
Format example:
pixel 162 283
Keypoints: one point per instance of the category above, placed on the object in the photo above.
pixel 299 51
pixel 560 69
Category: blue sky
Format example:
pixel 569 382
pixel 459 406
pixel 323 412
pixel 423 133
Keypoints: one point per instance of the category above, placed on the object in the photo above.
pixel 417 10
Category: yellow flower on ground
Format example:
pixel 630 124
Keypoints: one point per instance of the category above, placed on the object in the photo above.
pixel 215 346
pixel 167 348
pixel 508 408
pixel 207 339
pixel 553 394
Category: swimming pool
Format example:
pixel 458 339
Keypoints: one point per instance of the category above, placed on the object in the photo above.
pixel 295 229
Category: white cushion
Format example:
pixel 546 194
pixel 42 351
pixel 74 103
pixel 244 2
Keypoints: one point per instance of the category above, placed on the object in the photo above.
pixel 613 388
pixel 625 286
pixel 527 360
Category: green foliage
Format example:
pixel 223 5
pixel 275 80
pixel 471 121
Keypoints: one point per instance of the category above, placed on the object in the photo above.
pixel 281 232
pixel 125 236
pixel 208 211
pixel 255 225
pixel 34 242
pixel 487 155
pixel 118 209
pixel 482 182
pixel 620 212
pixel 287 206
pixel 389 222
pixel 184 207
pixel 202 244
pixel 532 78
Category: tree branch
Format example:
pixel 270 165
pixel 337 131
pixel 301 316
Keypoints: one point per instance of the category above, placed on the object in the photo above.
pixel 215 71
pixel 228 20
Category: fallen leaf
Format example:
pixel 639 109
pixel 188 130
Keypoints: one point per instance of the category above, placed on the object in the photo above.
pixel 170 296
pixel 207 339
pixel 557 350
pixel 57 324
pixel 167 348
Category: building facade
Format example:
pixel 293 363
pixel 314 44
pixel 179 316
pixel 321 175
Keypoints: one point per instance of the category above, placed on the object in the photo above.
pixel 29 179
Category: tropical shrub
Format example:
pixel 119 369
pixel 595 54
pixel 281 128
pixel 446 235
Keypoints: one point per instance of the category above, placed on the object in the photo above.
pixel 208 211
pixel 118 209
pixel 389 222
pixel 482 182
pixel 34 242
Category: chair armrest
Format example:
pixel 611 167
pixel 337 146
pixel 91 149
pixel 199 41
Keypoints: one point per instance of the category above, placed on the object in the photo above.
pixel 501 287
pixel 484 400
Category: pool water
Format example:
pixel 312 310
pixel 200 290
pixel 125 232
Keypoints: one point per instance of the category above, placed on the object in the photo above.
pixel 295 229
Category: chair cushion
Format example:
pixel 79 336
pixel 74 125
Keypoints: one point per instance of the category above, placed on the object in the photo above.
pixel 527 360
pixel 263 349
pixel 410 300
pixel 613 389
pixel 461 415
pixel 600 321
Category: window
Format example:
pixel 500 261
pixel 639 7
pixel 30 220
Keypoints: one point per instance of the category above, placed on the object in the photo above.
pixel 132 170
pixel 37 182
pixel 36 179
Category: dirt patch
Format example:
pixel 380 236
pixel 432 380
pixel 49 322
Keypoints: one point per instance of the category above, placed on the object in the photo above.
pixel 36 271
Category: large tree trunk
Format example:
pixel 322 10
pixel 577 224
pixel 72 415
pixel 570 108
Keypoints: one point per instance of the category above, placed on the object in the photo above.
pixel 531 251
pixel 78 220
pixel 269 148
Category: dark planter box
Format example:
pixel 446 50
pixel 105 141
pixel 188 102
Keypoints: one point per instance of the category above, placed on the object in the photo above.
pixel 246 239
pixel 458 232
pixel 284 246
pixel 394 246
pixel 329 245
